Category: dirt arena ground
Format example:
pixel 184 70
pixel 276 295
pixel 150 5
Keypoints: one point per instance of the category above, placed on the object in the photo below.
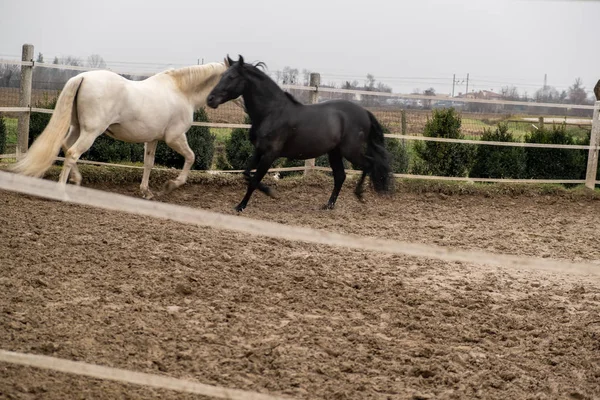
pixel 302 320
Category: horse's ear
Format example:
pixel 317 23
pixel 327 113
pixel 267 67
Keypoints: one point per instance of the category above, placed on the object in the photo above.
pixel 228 61
pixel 240 59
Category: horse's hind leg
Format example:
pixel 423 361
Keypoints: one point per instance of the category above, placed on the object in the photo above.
pixel 69 141
pixel 181 146
pixel 339 176
pixel 149 154
pixel 82 144
pixel 359 186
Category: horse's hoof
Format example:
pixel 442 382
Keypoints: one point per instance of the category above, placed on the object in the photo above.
pixel 328 206
pixel 271 193
pixel 239 208
pixel 148 195
pixel 359 196
pixel 168 187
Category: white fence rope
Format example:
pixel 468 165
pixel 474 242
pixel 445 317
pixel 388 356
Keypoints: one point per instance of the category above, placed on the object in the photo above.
pixel 444 98
pixel 198 217
pixel 132 377
pixel 491 143
pixel 16 62
pixel 71 67
pixel 463 178
pixel 326 169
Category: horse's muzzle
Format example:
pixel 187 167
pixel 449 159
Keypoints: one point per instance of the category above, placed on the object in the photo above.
pixel 212 101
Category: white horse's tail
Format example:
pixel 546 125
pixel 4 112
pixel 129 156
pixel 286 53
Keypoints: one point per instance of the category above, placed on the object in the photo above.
pixel 44 150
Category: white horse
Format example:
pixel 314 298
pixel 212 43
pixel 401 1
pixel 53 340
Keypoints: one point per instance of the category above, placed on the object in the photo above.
pixel 96 102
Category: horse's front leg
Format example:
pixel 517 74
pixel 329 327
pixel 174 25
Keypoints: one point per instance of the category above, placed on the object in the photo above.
pixel 180 144
pixel 254 182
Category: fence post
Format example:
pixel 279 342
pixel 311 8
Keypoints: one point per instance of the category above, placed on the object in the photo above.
pixel 313 98
pixel 592 164
pixel 541 121
pixel 24 100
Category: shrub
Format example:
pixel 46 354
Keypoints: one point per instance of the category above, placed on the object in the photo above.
pixel 221 162
pixel 397 149
pixel 398 152
pixel 38 121
pixel 238 148
pixel 201 141
pixel 498 161
pixel 2 135
pixel 107 149
pixel 443 159
pixel 555 163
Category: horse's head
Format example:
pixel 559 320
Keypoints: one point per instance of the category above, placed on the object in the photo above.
pixel 231 85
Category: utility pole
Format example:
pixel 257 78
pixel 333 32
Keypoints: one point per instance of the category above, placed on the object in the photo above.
pixel 453 82
pixel 467 92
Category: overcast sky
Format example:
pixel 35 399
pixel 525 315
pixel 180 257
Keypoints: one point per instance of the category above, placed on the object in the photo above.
pixel 497 42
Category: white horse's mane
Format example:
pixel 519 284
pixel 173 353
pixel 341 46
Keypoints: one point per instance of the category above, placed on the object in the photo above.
pixel 189 77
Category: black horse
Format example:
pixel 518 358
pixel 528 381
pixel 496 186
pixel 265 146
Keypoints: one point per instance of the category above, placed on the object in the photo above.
pixel 284 127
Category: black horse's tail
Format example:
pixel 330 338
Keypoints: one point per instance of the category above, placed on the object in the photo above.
pixel 378 157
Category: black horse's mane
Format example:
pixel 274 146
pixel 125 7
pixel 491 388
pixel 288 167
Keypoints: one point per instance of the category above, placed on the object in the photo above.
pixel 255 69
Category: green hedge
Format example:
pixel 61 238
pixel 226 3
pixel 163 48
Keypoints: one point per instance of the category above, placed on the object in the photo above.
pixel 238 149
pixel 38 121
pixel 499 161
pixel 107 149
pixel 3 135
pixel 201 141
pixel 443 159
pixel 555 163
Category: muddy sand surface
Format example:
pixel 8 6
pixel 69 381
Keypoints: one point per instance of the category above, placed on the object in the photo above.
pixel 296 319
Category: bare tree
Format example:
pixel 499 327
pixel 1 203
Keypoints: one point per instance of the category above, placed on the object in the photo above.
pixel 290 76
pixel 370 83
pixel 306 76
pixel 547 94
pixel 9 75
pixel 70 60
pixel 510 93
pixel 428 92
pixel 382 87
pixel 96 61
pixel 577 94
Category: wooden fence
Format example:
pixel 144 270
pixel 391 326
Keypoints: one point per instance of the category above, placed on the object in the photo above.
pixel 315 92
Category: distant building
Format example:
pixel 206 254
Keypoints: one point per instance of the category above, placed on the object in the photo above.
pixel 482 94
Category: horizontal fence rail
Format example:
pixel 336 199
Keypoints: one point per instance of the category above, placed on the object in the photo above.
pixel 132 377
pixel 389 135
